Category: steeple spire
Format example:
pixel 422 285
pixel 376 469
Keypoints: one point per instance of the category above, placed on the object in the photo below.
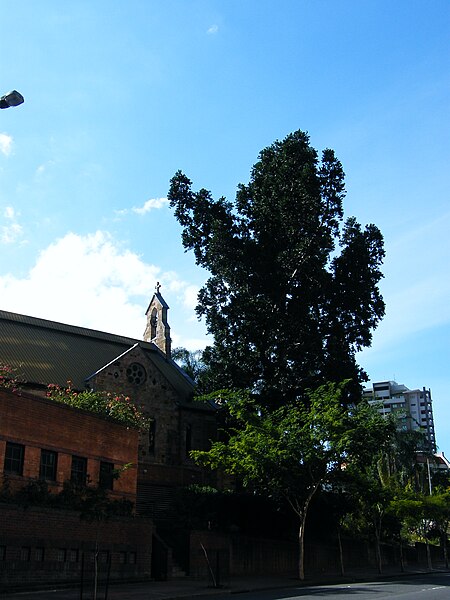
pixel 157 330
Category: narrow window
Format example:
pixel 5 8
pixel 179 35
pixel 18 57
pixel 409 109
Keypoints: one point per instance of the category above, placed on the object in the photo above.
pixel 25 553
pixel 151 436
pixel 72 555
pixel 78 472
pixel 132 558
pixel 14 458
pixel 2 553
pixel 122 558
pixel 47 469
pixel 153 323
pixel 61 555
pixel 39 554
pixel 188 439
pixel 106 475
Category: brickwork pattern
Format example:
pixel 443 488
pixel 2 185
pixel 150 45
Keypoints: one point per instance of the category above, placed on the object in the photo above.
pixel 39 423
pixel 39 545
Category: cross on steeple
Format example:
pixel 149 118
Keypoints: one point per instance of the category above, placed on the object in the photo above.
pixel 157 330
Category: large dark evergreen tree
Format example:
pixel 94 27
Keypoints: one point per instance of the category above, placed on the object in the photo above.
pixel 287 309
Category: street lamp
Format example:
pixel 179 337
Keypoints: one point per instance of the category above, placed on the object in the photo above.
pixel 11 99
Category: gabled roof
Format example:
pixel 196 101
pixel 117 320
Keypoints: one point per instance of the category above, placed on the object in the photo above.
pixel 160 299
pixel 49 352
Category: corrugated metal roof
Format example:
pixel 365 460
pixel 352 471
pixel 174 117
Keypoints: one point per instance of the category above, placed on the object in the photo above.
pixel 45 352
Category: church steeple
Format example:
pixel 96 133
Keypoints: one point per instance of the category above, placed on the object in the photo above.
pixel 157 330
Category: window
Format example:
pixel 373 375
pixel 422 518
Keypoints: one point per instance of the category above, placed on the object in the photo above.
pixel 47 469
pixel 188 439
pixel 106 475
pixel 25 553
pixel 72 555
pixel 136 374
pixel 151 436
pixel 2 553
pixel 132 558
pixel 153 323
pixel 78 473
pixel 61 555
pixel 39 554
pixel 103 557
pixel 14 458
pixel 122 558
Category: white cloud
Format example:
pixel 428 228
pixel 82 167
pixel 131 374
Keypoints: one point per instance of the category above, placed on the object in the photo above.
pixel 44 167
pixel 9 212
pixel 5 144
pixel 150 205
pixel 213 29
pixel 190 297
pixel 11 231
pixel 92 281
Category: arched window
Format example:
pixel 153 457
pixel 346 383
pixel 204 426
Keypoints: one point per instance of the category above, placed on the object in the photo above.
pixel 153 323
pixel 188 439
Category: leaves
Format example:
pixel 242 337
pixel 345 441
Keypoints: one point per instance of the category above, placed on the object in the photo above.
pixel 117 407
pixel 287 310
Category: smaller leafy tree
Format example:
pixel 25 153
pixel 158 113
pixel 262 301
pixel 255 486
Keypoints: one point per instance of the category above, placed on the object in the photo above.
pixel 424 517
pixel 414 512
pixel 439 505
pixel 117 407
pixel 293 451
pixel 191 361
pixel 373 500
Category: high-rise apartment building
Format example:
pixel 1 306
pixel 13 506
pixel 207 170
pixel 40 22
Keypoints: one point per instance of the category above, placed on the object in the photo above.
pixel 413 408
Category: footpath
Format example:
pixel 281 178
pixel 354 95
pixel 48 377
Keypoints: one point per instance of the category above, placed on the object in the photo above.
pixel 186 588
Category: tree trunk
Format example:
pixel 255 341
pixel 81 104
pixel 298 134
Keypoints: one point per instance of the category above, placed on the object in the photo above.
pixel 301 512
pixel 301 547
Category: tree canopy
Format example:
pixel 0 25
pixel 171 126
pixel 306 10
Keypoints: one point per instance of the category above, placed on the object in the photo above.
pixel 293 288
pixel 292 452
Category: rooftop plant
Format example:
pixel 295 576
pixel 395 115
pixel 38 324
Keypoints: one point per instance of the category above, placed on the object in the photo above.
pixel 111 405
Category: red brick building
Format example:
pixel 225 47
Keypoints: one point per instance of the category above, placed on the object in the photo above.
pixel 43 440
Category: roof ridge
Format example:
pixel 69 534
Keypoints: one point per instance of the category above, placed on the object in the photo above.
pixel 67 328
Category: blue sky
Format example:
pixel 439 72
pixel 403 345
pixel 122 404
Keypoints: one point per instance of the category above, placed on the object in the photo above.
pixel 118 96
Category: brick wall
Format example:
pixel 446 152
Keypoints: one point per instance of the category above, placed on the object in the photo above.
pixel 40 545
pixel 39 423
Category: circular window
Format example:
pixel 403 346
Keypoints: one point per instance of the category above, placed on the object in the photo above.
pixel 136 373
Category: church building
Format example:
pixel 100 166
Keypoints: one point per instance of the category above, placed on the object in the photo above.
pixel 44 352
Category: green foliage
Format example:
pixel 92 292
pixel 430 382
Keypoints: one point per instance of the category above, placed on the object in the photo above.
pixel 191 362
pixel 93 503
pixel 289 450
pixel 116 407
pixel 293 451
pixel 287 308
